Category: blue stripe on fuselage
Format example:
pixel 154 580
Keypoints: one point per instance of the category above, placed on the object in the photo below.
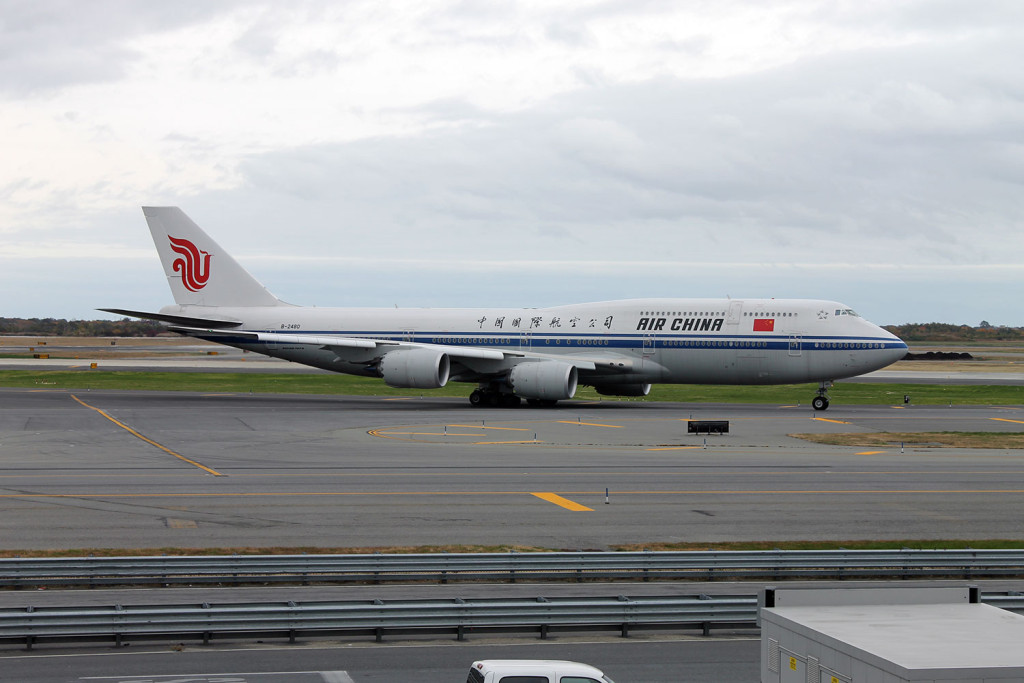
pixel 606 340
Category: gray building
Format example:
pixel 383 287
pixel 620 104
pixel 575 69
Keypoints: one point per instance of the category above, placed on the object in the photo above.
pixel 888 636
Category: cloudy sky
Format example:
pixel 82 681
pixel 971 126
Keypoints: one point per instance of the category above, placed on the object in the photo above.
pixel 446 153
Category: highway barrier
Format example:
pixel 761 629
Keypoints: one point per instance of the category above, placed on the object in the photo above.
pixel 769 565
pixel 376 618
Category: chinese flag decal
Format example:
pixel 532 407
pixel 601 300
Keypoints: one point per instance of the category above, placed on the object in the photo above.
pixel 764 324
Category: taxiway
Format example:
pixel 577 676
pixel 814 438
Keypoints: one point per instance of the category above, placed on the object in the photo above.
pixel 104 469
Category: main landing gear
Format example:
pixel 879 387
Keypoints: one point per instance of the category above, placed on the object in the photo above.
pixel 491 398
pixel 820 401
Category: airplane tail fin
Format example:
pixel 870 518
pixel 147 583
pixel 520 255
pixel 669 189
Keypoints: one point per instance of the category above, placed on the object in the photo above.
pixel 198 270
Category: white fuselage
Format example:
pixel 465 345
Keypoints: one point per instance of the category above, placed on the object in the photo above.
pixel 684 341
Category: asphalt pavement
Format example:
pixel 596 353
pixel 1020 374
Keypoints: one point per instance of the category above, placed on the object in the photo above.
pixel 107 469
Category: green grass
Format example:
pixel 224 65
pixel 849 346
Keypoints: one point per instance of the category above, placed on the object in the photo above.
pixel 845 394
pixel 214 382
pixel 1000 440
pixel 785 394
pixel 951 544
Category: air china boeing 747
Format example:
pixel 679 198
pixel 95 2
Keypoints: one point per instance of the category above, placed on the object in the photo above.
pixel 620 347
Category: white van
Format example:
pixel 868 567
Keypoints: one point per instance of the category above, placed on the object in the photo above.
pixel 533 671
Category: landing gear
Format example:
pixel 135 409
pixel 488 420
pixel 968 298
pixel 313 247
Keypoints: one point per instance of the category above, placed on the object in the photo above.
pixel 820 401
pixel 510 401
pixel 493 398
pixel 541 402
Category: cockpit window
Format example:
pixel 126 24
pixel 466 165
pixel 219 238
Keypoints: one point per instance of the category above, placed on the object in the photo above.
pixel 847 311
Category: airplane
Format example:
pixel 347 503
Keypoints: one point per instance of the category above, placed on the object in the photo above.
pixel 620 348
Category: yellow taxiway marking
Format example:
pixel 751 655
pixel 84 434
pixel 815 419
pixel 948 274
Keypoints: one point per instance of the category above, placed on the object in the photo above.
pixel 508 429
pixel 377 433
pixel 588 424
pixel 673 448
pixel 545 496
pixel 563 502
pixel 399 398
pixel 870 452
pixel 131 431
pixel 498 443
pixel 825 419
pixel 1003 419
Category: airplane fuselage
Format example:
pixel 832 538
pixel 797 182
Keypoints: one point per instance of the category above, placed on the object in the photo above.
pixel 686 341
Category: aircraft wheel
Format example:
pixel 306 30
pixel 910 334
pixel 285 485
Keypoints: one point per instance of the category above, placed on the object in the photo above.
pixel 476 399
pixel 509 401
pixel 820 403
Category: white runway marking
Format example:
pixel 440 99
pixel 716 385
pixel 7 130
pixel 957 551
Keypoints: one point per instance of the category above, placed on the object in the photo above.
pixel 336 677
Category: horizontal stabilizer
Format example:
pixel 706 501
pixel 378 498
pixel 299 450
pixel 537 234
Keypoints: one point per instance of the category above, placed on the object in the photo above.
pixel 175 319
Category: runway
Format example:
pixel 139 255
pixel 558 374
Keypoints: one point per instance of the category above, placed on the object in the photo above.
pixel 106 469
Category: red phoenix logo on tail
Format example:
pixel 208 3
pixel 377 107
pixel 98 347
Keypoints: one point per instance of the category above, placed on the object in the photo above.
pixel 194 267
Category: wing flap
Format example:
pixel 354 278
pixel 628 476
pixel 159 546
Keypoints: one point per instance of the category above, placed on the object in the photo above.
pixel 469 353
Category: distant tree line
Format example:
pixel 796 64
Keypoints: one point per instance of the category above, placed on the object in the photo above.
pixel 58 327
pixel 943 332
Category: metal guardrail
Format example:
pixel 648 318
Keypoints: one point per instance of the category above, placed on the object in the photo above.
pixel 378 617
pixel 375 618
pixel 572 566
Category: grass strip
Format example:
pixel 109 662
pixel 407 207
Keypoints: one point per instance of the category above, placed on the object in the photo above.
pixel 1001 440
pixel 215 382
pixel 912 544
pixel 333 384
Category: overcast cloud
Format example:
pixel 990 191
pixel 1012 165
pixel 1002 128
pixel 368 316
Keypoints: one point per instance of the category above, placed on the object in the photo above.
pixel 520 153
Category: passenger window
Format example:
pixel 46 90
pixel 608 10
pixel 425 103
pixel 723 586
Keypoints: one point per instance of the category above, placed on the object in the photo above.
pixel 576 679
pixel 525 679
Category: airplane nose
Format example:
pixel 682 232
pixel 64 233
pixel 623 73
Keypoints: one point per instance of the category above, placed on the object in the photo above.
pixel 895 348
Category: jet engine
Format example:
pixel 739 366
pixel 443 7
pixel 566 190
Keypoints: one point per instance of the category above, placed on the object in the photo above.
pixel 623 389
pixel 548 380
pixel 415 369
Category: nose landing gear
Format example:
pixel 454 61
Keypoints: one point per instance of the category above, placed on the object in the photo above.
pixel 820 401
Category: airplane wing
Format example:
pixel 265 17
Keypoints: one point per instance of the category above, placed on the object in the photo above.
pixel 340 344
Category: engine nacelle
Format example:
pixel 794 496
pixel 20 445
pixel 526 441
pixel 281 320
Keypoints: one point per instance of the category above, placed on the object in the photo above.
pixel 623 389
pixel 415 369
pixel 546 379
